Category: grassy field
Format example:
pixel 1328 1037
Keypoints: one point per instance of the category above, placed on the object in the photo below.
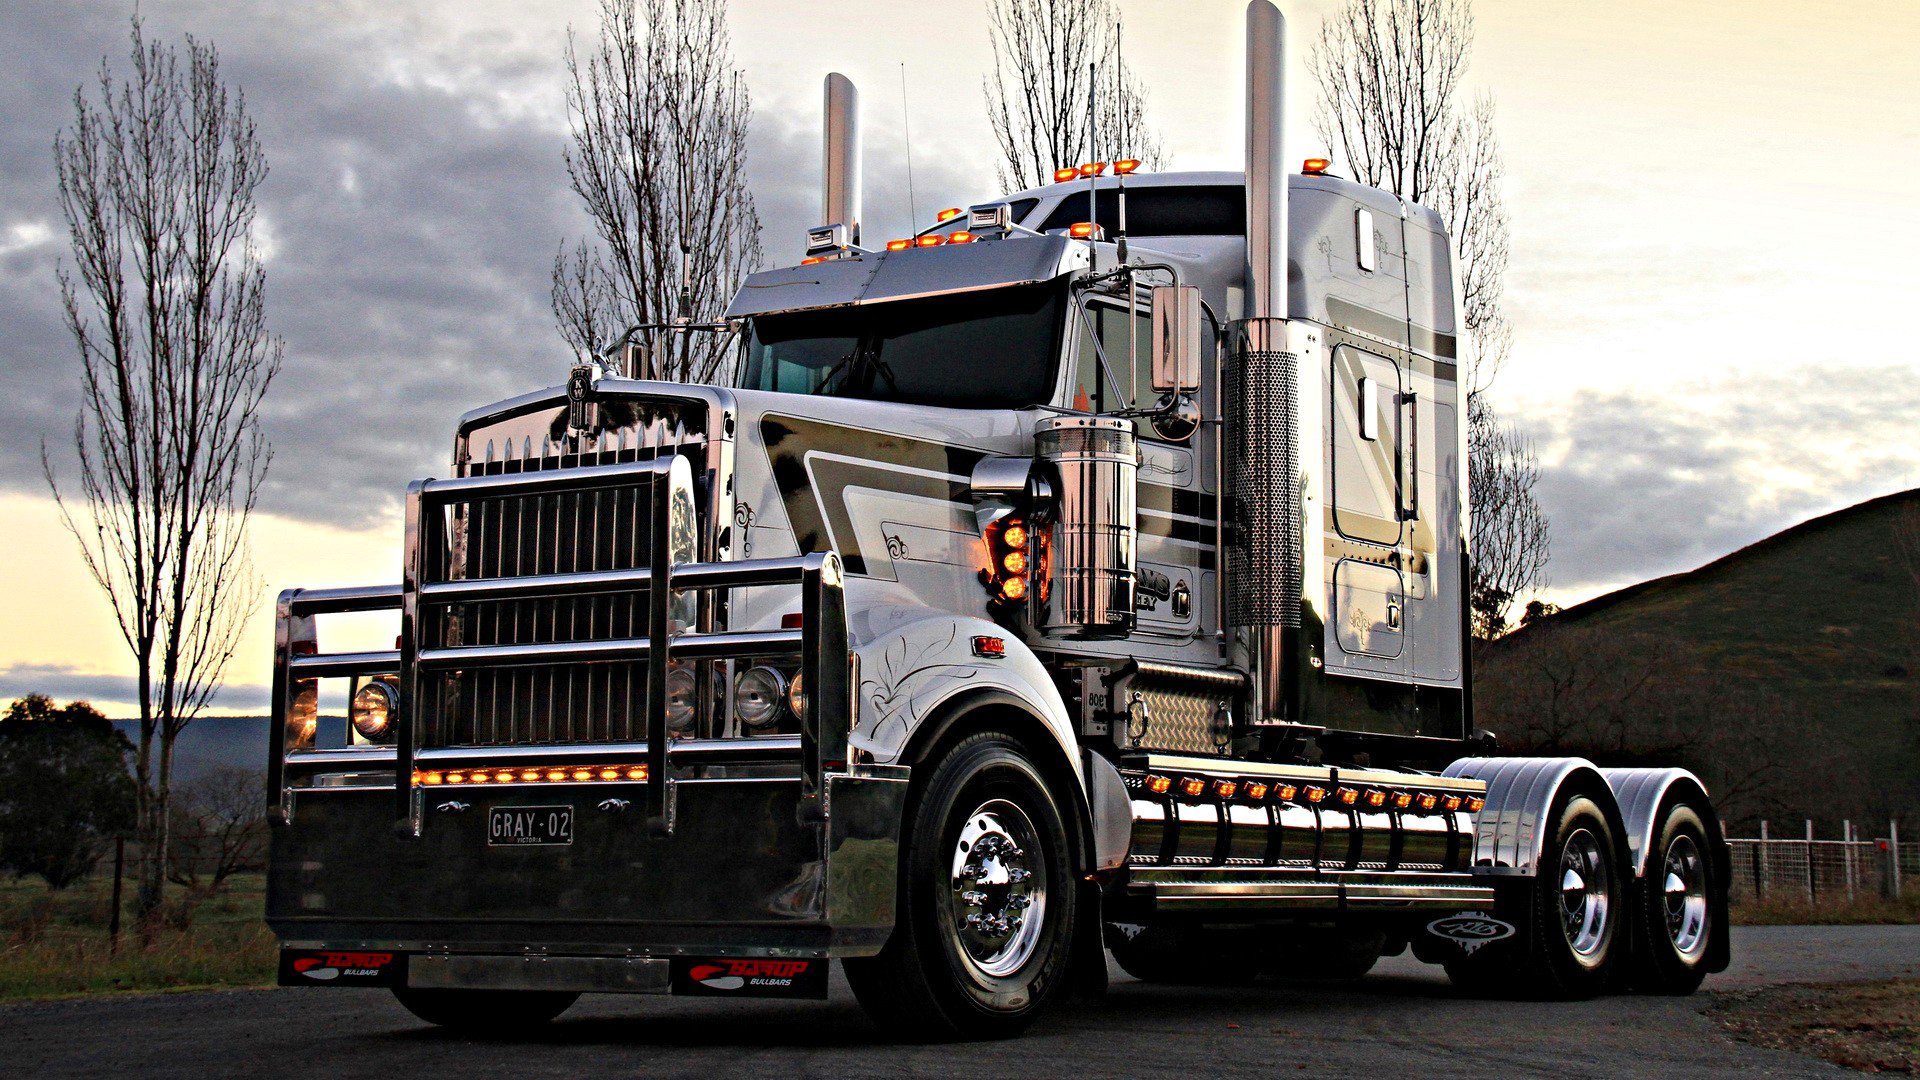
pixel 1867 910
pixel 55 944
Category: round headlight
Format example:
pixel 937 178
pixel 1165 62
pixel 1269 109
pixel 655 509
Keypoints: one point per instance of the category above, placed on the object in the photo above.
pixel 681 693
pixel 758 695
pixel 374 709
pixel 797 698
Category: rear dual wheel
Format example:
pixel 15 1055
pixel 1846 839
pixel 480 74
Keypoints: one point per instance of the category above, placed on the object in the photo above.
pixel 1678 902
pixel 986 911
pixel 1567 917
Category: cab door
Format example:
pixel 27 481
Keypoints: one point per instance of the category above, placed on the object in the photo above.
pixel 1366 510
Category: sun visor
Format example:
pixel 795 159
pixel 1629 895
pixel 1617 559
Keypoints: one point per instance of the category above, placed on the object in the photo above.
pixel 903 275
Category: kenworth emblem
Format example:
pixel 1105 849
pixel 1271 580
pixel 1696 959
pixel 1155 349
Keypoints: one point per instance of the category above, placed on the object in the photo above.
pixel 580 410
pixel 1471 931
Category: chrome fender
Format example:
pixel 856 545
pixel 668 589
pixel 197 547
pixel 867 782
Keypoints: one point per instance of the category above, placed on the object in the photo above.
pixel 1510 834
pixel 1641 793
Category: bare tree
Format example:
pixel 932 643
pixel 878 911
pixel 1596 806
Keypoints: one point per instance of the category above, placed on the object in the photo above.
pixel 220 829
pixel 166 303
pixel 1060 94
pixel 1391 76
pixel 1510 534
pixel 660 116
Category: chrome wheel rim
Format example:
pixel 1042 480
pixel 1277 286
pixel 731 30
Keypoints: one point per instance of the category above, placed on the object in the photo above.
pixel 1685 887
pixel 998 889
pixel 1584 900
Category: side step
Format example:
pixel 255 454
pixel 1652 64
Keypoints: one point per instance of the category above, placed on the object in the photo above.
pixel 1211 833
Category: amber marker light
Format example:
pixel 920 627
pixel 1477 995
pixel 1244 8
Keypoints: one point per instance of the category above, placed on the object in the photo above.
pixel 899 245
pixel 1225 788
pixel 1348 796
pixel 1452 802
pixel 456 778
pixel 530 775
pixel 1014 588
pixel 609 774
pixel 1475 805
pixel 1015 562
pixel 556 775
pixel 931 240
pixel 1402 800
pixel 1159 785
pixel 429 778
pixel 1092 169
pixel 1376 798
pixel 637 772
pixel 583 774
pixel 1429 800
pixel 961 237
pixel 1084 230
pixel 1315 166
pixel 1125 166
pixel 1192 786
pixel 1256 790
pixel 1316 794
pixel 1062 175
pixel 1284 792
pixel 811 259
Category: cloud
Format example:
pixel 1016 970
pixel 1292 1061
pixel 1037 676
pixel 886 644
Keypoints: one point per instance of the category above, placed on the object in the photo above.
pixel 114 694
pixel 1639 483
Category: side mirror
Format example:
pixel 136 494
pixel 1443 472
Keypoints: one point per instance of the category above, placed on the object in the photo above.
pixel 1176 339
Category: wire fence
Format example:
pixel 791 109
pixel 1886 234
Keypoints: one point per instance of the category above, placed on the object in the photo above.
pixel 1806 869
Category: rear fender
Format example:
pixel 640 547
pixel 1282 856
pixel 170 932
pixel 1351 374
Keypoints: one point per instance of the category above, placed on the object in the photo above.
pixel 1645 795
pixel 1511 831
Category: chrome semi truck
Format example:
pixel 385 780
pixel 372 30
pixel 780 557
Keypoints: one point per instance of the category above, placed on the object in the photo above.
pixel 1086 573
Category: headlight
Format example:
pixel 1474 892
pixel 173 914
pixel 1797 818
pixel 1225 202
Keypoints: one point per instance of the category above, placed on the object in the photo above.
pixel 681 694
pixel 758 695
pixel 797 698
pixel 374 710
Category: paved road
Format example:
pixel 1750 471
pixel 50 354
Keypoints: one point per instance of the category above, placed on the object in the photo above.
pixel 1401 1021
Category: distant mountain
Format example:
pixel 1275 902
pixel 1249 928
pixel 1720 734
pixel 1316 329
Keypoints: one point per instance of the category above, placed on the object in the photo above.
pixel 1798 652
pixel 214 742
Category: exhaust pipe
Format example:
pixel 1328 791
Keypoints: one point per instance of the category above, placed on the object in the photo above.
pixel 1263 482
pixel 840 158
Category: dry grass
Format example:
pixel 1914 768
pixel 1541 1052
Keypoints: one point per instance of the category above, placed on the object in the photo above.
pixel 55 944
pixel 1873 1027
pixel 1795 911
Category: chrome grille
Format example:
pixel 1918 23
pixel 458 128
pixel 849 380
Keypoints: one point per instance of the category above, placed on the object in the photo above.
pixel 600 529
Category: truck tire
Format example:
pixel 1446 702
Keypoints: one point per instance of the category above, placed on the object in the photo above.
pixel 1184 956
pixel 485 1012
pixel 1676 906
pixel 1567 916
pixel 985 922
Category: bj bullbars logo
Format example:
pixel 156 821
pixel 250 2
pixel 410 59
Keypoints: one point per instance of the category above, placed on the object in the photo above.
pixel 332 965
pixel 741 974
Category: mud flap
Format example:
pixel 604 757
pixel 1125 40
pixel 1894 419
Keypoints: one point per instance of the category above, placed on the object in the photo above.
pixel 1087 967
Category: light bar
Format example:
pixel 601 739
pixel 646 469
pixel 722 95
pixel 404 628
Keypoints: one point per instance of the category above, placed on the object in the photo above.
pixel 543 774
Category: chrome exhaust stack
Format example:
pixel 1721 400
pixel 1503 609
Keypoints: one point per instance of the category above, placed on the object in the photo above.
pixel 1263 446
pixel 840 158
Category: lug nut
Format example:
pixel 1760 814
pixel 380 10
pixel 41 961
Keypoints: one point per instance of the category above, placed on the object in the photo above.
pixel 973 898
pixel 1018 875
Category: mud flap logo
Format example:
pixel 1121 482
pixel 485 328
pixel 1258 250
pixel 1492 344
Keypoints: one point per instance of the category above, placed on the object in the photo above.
pixel 329 967
pixel 751 978
pixel 1472 931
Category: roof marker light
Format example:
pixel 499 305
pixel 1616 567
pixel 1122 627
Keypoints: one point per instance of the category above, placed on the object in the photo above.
pixel 961 237
pixel 1125 166
pixel 933 240
pixel 1062 175
pixel 811 259
pixel 1315 166
pixel 948 214
pixel 1086 230
pixel 899 245
pixel 1092 169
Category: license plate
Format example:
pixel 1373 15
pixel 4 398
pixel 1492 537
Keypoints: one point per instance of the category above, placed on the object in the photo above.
pixel 518 826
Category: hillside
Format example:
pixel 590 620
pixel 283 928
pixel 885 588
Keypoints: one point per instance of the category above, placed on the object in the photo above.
pixel 1807 643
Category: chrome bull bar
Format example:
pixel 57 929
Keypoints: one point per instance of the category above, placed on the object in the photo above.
pixel 820 643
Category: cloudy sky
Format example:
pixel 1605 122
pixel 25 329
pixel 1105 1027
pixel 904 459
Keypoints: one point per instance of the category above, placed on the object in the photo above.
pixel 1713 210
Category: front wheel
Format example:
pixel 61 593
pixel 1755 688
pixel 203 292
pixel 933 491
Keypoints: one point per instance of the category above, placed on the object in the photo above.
pixel 485 1012
pixel 986 914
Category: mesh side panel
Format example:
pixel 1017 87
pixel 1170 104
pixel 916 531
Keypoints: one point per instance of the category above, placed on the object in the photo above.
pixel 1263 504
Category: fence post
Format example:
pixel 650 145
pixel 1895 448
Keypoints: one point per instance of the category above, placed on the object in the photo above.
pixel 113 919
pixel 1760 863
pixel 1893 835
pixel 1813 887
pixel 1846 856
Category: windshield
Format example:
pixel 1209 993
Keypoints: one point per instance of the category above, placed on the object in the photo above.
pixel 985 350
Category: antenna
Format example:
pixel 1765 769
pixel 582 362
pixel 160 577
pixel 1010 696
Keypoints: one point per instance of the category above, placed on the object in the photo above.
pixel 1120 107
pixel 906 124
